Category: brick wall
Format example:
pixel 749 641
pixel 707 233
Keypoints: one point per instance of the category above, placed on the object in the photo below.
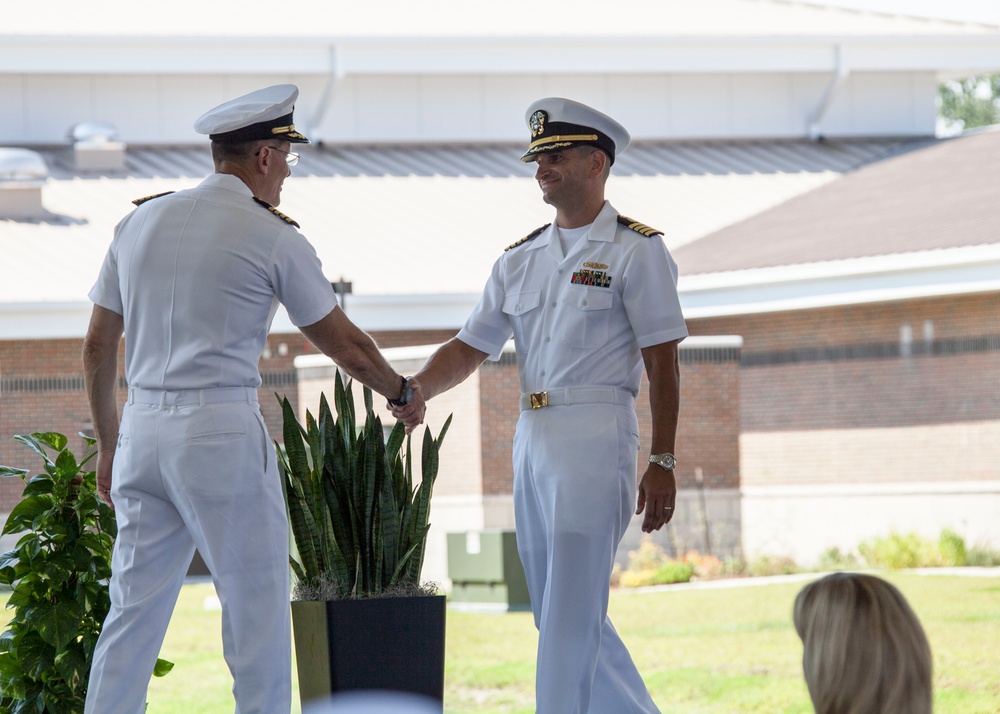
pixel 887 392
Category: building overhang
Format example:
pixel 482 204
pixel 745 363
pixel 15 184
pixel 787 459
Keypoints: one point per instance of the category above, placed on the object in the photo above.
pixel 907 276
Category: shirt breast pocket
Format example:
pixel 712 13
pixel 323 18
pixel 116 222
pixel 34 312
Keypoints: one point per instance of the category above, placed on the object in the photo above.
pixel 516 304
pixel 587 317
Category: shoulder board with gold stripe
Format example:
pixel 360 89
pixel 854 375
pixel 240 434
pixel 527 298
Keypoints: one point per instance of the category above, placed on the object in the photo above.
pixel 531 236
pixel 639 227
pixel 275 211
pixel 140 201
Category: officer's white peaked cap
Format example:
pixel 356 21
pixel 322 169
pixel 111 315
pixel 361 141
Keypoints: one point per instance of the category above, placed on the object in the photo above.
pixel 558 123
pixel 263 114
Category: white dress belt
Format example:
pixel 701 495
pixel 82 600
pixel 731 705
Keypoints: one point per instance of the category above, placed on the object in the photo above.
pixel 565 396
pixel 190 397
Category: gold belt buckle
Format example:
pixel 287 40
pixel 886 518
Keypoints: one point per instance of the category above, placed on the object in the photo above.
pixel 539 400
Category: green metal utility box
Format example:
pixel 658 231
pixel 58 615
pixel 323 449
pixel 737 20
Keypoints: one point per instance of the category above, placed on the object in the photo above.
pixel 486 572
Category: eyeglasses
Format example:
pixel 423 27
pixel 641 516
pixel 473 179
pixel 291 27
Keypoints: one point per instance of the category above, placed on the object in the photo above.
pixel 290 157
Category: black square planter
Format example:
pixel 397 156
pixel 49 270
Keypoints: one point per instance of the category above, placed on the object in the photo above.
pixel 393 643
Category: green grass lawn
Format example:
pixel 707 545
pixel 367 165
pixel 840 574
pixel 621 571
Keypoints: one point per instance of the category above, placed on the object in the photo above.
pixel 730 650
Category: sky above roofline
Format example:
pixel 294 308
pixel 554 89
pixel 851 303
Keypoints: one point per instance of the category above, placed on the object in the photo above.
pixel 511 18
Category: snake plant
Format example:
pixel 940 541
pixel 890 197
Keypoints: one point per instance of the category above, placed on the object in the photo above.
pixel 358 524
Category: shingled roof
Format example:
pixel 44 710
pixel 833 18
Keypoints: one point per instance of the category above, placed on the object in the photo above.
pixel 939 194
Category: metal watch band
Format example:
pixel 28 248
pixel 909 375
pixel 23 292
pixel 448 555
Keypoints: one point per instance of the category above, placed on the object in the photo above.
pixel 665 461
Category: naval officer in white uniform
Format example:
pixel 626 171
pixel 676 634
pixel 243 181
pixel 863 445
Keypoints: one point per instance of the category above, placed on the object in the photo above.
pixel 590 300
pixel 192 279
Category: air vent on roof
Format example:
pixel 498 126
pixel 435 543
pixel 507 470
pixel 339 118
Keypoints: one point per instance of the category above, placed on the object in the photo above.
pixel 96 147
pixel 22 175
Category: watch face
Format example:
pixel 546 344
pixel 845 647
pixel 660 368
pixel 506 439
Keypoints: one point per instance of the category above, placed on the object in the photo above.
pixel 667 461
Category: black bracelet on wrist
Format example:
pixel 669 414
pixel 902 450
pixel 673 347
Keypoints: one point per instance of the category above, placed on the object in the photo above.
pixel 405 395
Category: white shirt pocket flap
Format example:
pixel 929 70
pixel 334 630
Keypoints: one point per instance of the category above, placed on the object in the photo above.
pixel 593 299
pixel 519 303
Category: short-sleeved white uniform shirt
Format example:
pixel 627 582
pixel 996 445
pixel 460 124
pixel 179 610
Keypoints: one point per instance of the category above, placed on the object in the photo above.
pixel 197 276
pixel 580 319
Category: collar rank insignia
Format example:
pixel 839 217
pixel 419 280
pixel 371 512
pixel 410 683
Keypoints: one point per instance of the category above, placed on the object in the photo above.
pixel 531 236
pixel 639 227
pixel 275 211
pixel 140 201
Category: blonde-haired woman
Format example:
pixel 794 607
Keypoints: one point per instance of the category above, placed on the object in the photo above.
pixel 864 649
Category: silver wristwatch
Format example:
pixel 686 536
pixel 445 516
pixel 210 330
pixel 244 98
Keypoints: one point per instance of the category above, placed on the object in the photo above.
pixel 666 461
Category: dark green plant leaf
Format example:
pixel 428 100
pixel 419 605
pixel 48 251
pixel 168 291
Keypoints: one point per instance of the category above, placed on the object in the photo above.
pixel 162 668
pixel 50 438
pixel 24 513
pixel 66 466
pixel 58 623
pixel 33 443
pixel 11 471
pixel 71 664
pixel 35 655
pixel 39 485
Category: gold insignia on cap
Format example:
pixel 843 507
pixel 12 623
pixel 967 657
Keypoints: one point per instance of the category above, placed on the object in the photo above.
pixel 275 211
pixel 537 123
pixel 552 142
pixel 598 266
pixel 639 227
pixel 534 234
pixel 140 201
pixel 288 131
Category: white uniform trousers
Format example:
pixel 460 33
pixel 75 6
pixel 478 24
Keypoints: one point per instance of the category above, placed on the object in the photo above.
pixel 196 468
pixel 574 494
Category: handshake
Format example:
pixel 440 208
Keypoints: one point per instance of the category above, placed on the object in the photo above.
pixel 409 407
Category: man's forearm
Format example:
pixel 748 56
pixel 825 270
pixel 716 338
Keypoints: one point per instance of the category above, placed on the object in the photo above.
pixel 354 351
pixel 100 366
pixel 364 363
pixel 663 369
pixel 449 366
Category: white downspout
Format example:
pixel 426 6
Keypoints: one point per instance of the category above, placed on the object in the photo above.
pixel 325 97
pixel 840 73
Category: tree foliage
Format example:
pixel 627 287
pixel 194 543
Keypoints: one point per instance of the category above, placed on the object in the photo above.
pixel 971 102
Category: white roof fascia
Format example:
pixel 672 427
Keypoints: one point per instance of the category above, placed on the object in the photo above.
pixel 490 55
pixel 422 353
pixel 666 55
pixel 904 276
pixel 399 312
pixel 44 321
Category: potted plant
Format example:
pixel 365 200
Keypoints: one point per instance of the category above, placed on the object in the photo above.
pixel 59 572
pixel 361 617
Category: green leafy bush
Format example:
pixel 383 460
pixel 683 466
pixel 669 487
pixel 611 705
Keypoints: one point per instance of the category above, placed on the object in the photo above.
pixel 765 565
pixel 673 572
pixel 835 559
pixel 909 550
pixel 952 548
pixel 897 551
pixel 359 525
pixel 649 564
pixel 59 571
pixel 982 556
